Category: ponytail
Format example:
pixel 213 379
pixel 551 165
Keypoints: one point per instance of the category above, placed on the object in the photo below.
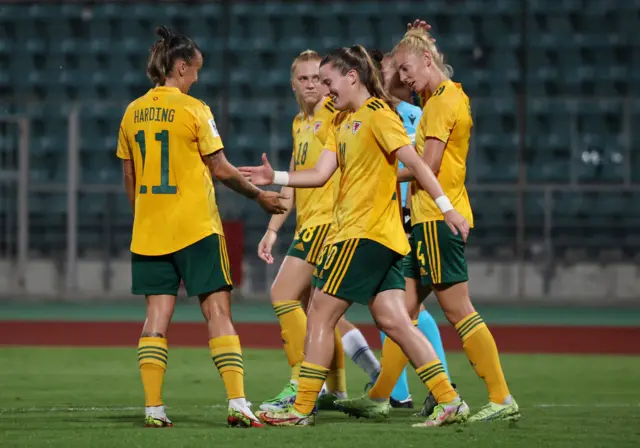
pixel 165 52
pixel 356 58
pixel 373 82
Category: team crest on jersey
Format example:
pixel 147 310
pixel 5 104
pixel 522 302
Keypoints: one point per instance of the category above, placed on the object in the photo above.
pixel 356 126
pixel 316 126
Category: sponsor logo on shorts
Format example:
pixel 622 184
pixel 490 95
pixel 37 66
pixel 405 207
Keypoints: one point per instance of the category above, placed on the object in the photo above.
pixel 423 271
pixel 299 246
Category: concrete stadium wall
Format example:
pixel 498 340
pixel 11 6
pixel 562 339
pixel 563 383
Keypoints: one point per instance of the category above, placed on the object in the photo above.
pixel 491 282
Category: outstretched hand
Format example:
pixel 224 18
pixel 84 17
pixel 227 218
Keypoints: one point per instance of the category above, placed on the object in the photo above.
pixel 259 175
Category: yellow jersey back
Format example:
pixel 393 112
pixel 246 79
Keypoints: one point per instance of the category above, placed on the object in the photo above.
pixel 367 203
pixel 314 206
pixel 165 133
pixel 447 117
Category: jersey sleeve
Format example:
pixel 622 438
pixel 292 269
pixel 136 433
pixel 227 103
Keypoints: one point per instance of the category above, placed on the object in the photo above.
pixel 209 140
pixel 330 143
pixel 124 151
pixel 388 130
pixel 439 118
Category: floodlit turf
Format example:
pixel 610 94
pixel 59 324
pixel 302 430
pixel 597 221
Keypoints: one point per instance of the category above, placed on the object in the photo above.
pixel 92 397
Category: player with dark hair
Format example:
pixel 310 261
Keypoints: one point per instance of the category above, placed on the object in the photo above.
pixel 363 262
pixel 171 150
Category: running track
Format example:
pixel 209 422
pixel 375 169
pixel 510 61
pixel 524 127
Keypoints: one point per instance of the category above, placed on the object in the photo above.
pixel 510 338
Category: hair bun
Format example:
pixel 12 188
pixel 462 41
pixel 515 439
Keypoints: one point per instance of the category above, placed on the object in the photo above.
pixel 164 32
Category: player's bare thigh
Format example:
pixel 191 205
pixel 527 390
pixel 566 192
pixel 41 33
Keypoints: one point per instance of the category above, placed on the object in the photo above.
pixel 159 313
pixel 415 294
pixel 454 300
pixel 293 280
pixel 324 313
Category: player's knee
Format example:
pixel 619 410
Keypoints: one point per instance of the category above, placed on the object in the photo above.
pixel 273 292
pixel 159 309
pixel 455 312
pixel 216 311
pixel 414 313
pixel 392 326
pixel 215 308
pixel 280 292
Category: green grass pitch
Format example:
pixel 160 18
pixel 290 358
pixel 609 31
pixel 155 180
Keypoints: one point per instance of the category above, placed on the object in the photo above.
pixel 67 397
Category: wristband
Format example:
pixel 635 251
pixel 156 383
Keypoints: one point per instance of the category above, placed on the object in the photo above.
pixel 273 230
pixel 281 178
pixel 444 204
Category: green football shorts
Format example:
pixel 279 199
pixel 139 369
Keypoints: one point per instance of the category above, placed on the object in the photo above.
pixel 203 266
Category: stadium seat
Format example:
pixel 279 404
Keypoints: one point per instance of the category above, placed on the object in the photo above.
pixel 56 53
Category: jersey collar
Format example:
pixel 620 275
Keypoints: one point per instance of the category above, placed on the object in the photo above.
pixel 166 89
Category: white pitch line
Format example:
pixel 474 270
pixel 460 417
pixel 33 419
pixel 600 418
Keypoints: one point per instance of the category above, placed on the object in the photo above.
pixel 99 408
pixel 220 406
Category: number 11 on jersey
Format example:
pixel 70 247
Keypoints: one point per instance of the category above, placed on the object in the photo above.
pixel 164 187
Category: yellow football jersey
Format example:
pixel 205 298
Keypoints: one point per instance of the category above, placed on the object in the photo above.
pixel 367 203
pixel 166 133
pixel 447 117
pixel 331 145
pixel 314 206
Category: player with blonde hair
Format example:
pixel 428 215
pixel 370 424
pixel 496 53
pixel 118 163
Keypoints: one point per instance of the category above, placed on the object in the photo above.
pixel 314 213
pixel 170 150
pixel 438 261
pixel 400 396
pixel 364 261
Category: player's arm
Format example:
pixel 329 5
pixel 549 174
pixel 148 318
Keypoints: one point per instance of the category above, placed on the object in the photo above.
pixel 123 152
pixel 229 175
pixel 276 221
pixel 311 178
pixel 432 153
pixel 432 156
pixel 211 151
pixel 129 177
pixel 440 119
pixel 405 174
pixel 420 170
pixel 428 181
pixel 392 137
pixel 265 246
